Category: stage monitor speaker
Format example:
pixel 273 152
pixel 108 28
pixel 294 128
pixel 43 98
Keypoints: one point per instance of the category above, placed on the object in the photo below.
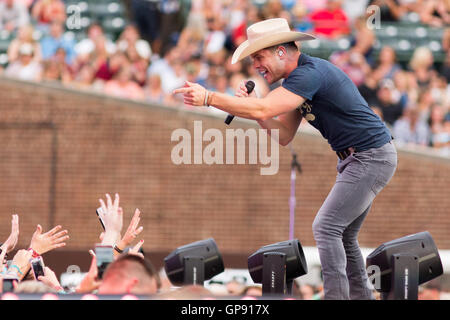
pixel 194 263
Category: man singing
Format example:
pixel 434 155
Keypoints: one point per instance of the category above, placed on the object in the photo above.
pixel 321 93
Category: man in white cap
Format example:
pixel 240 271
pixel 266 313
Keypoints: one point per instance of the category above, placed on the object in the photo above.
pixel 325 96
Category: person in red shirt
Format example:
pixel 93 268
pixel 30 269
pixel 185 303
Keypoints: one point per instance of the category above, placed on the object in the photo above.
pixel 331 21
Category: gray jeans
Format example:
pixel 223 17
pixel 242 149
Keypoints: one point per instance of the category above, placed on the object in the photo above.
pixel 361 176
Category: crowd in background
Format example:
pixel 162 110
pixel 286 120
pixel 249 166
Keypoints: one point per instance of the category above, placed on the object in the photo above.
pixel 172 41
pixel 128 270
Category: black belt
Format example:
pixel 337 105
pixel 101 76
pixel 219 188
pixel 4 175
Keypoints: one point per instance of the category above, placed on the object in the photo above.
pixel 343 154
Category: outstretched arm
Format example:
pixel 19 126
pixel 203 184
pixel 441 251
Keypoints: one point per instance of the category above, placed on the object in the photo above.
pixel 277 102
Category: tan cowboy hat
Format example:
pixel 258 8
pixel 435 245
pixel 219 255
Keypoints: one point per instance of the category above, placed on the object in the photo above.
pixel 265 34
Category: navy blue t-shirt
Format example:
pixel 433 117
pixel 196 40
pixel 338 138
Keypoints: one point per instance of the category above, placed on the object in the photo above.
pixel 334 106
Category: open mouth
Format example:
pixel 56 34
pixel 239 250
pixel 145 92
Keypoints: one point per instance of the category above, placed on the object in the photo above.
pixel 263 73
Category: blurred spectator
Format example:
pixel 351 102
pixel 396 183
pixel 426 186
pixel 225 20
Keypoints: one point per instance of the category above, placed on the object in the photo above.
pixel 130 38
pixel 253 291
pixel 405 90
pixel 13 15
pixel 235 288
pixel 353 64
pixel 85 79
pixel 390 10
pixel 105 66
pixel 55 40
pixel 331 21
pixel 391 109
pixel 56 69
pixel 137 51
pixel 410 128
pixel 438 88
pixel 307 292
pixel 192 36
pixel 87 45
pixel 439 133
pixel 130 274
pixel 48 11
pixel 237 23
pixel 215 38
pixel 123 87
pixel 154 91
pixel 435 13
pixel 25 68
pixel 387 66
pixel 425 102
pixel 272 9
pixel 164 67
pixel 368 89
pixel 221 84
pixel 24 35
pixel 421 64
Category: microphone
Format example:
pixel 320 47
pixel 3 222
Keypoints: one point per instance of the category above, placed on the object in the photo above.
pixel 250 85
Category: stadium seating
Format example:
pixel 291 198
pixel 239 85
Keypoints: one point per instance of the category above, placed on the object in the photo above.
pixel 403 36
pixel 111 15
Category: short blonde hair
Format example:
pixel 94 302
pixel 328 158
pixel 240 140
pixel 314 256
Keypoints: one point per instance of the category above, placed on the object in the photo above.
pixel 422 57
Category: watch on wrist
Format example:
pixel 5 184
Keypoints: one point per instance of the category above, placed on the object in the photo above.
pixel 117 249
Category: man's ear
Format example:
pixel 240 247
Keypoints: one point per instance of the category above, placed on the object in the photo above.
pixel 131 284
pixel 281 52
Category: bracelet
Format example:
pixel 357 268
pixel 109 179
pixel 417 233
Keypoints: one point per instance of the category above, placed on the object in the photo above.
pixel 34 253
pixel 208 102
pixel 18 269
pixel 205 103
pixel 118 249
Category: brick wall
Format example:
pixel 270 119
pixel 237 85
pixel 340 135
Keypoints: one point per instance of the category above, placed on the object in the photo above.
pixel 62 150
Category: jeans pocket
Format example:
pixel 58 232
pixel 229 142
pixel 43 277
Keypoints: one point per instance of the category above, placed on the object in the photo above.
pixel 385 173
pixel 391 160
pixel 378 185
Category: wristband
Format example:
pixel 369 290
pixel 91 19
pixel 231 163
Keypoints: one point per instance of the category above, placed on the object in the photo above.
pixel 205 103
pixel 208 101
pixel 34 253
pixel 118 249
pixel 17 268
